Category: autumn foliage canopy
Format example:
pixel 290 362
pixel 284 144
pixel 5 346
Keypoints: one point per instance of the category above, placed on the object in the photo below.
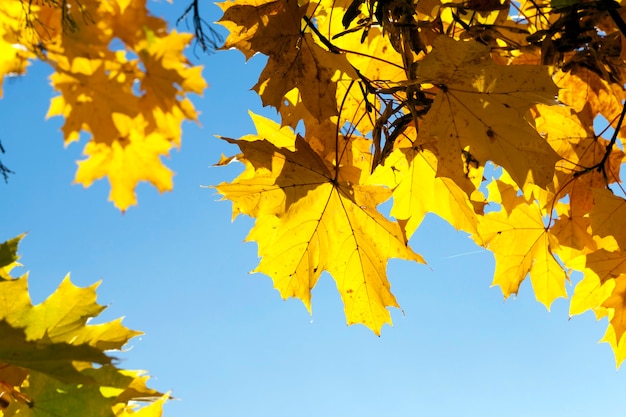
pixel 504 118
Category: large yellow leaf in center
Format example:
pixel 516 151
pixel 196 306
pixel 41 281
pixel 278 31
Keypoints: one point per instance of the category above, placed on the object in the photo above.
pixel 314 217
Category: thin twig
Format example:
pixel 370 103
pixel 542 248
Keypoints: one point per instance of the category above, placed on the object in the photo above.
pixel 206 36
pixel 609 148
pixel 4 170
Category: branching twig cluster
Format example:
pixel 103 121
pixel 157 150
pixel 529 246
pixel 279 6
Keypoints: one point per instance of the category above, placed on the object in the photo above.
pixel 4 170
pixel 207 37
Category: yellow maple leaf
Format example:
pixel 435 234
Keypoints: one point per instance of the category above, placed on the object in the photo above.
pixel 49 350
pixel 503 191
pixel 603 290
pixel 247 22
pixel 274 28
pixel 314 216
pixel 130 159
pixel 90 99
pixel 14 52
pixel 123 79
pixel 313 70
pixel 168 74
pixel 480 110
pixel 521 244
pixel 590 95
pixel 574 236
pixel 572 136
pixel 606 216
pixel 411 174
pixel 373 55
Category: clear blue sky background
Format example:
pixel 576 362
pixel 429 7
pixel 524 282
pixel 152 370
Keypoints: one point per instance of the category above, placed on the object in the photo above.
pixel 225 343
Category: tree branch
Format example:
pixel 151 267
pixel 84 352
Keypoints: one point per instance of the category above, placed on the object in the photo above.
pixel 4 170
pixel 206 36
pixel 600 166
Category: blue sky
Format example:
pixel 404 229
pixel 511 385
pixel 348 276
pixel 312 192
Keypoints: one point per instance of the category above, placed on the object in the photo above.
pixel 222 339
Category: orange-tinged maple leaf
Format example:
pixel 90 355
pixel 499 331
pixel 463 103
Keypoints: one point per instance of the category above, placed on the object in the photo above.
pixel 313 216
pixel 521 244
pixel 590 95
pixel 131 21
pixel 580 149
pixel 167 71
pixel 355 153
pixel 481 109
pixel 90 98
pixel 411 174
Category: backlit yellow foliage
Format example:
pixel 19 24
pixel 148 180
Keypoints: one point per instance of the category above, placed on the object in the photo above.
pixel 53 363
pixel 122 78
pixel 412 101
pixel 487 113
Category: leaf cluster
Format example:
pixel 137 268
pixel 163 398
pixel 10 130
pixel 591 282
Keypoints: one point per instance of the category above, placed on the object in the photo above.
pixel 413 101
pixel 54 363
pixel 122 80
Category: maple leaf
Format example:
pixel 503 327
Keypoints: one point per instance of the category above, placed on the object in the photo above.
pixel 131 128
pixel 574 236
pixel 168 77
pixel 8 256
pixel 312 217
pixel 48 351
pixel 14 55
pixel 254 192
pixel 603 290
pixel 580 149
pixel 522 244
pixel 571 135
pixel 376 60
pixel 505 192
pixel 481 109
pixel 411 174
pixel 342 69
pixel 132 158
pixel 49 337
pixel 295 60
pixel 590 95
pixel 606 216
pixel 106 396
